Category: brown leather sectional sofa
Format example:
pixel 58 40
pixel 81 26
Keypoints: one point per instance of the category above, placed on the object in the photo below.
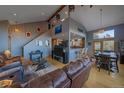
pixel 78 72
pixel 73 75
pixel 54 79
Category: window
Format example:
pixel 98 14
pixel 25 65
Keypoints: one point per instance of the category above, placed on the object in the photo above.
pixel 105 45
pixel 97 46
pixel 103 34
pixel 108 45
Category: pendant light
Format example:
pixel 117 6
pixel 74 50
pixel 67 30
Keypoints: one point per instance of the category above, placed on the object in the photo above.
pixel 101 17
pixel 101 20
pixel 16 27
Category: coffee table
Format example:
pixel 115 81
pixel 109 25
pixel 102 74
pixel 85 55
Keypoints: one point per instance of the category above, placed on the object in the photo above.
pixel 42 64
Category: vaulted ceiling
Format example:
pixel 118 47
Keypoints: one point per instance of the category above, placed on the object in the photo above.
pixel 28 13
pixel 89 17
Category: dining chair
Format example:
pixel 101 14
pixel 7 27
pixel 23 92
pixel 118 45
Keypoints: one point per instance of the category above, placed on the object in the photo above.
pixel 115 61
pixel 104 61
pixel 96 58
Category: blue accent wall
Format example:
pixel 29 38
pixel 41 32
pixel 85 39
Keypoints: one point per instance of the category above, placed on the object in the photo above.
pixel 19 38
pixel 3 35
pixel 33 45
pixel 68 26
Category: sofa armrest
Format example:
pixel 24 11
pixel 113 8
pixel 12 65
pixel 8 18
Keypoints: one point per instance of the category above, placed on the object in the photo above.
pixel 10 66
pixel 9 72
pixel 13 59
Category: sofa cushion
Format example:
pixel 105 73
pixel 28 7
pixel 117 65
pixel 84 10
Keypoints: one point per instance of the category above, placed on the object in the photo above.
pixel 73 67
pixel 56 79
pixel 1 60
pixel 59 77
pixel 40 82
pixel 84 61
pixel 65 84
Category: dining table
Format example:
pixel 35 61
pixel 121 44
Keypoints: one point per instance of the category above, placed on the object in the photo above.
pixel 113 58
pixel 112 55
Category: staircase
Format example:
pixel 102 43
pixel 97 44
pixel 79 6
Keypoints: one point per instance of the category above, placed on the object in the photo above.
pixel 33 46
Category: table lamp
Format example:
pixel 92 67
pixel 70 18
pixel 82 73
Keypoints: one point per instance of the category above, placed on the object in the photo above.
pixel 7 53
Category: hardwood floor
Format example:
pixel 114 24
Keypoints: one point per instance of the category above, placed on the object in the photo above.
pixel 103 80
pixel 99 79
pixel 55 62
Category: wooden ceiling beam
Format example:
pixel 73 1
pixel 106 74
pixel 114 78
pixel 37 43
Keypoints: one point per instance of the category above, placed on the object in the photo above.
pixel 61 7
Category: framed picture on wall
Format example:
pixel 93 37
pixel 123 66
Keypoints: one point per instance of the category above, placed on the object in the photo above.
pixel 40 43
pixel 47 43
pixel 28 34
pixel 38 30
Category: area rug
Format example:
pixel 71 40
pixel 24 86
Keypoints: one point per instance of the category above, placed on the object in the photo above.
pixel 30 72
pixel 46 70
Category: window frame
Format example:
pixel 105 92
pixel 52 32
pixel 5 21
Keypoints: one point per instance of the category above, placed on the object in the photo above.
pixel 103 37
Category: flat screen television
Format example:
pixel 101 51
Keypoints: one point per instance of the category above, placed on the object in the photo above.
pixel 58 29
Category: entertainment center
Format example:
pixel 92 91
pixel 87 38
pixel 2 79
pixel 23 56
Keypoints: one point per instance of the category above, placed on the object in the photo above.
pixel 60 53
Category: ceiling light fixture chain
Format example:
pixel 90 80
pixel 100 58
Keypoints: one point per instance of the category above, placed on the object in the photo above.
pixel 101 17
pixel 16 27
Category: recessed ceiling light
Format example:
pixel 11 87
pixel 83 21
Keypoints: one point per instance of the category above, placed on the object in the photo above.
pixel 42 13
pixel 14 14
pixel 16 30
pixel 66 12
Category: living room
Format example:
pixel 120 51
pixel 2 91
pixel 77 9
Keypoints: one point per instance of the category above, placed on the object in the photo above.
pixel 61 46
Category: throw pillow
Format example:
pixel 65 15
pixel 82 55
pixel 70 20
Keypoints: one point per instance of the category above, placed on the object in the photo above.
pixel 7 54
pixel 1 60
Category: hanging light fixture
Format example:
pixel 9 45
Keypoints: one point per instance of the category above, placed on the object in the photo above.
pixel 16 28
pixel 101 17
pixel 101 21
